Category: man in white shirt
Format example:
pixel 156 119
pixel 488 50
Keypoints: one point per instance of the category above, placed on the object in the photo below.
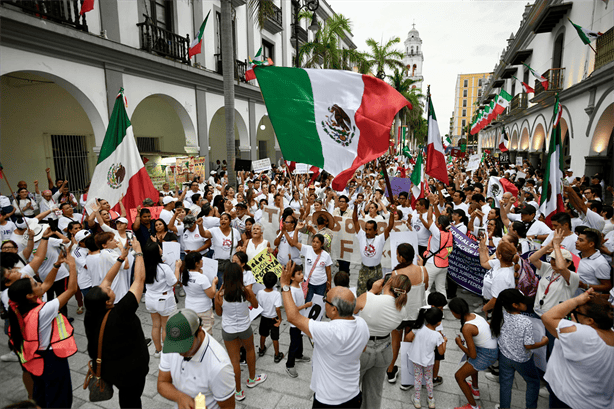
pixel 66 217
pixel 405 206
pixel 562 221
pixel 194 362
pixel 588 212
pixel 594 270
pixel 169 206
pixel 458 199
pixel 338 345
pixel 422 207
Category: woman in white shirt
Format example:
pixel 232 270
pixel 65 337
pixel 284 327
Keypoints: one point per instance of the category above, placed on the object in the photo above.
pixel 159 298
pixel 502 271
pixel 199 290
pixel 285 251
pixel 25 206
pixel 460 220
pixel 317 264
pixel 224 241
pixel 232 304
pixel 257 243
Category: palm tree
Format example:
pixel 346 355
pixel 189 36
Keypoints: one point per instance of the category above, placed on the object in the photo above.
pixel 404 86
pixel 384 56
pixel 324 50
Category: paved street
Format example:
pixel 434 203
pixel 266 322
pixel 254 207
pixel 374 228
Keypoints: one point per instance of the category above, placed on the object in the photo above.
pixel 279 390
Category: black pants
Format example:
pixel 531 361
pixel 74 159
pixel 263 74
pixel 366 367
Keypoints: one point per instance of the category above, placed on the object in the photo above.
pixel 421 250
pixel 353 403
pixel 53 389
pixel 131 386
pixel 296 346
pixel 56 289
pixel 452 287
pixel 344 266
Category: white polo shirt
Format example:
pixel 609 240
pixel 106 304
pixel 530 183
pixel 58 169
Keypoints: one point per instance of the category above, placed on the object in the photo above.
pixel 594 268
pixel 208 372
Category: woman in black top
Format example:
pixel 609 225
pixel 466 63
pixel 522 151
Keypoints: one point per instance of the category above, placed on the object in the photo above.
pixel 125 358
pixel 162 233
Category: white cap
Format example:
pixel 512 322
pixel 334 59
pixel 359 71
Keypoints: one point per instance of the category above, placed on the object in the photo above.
pixel 121 220
pixel 82 234
pixel 168 199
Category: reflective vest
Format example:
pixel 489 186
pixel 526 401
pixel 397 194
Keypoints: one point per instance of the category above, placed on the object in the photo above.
pixel 62 341
pixel 441 257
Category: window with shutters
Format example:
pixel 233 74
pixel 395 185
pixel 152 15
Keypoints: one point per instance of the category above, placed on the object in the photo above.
pixel 70 161
pixel 162 13
pixel 464 103
pixel 465 93
pixel 465 83
pixel 148 144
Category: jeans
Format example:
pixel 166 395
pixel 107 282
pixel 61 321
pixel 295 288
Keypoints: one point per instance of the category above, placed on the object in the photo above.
pixel 296 346
pixel 527 370
pixel 315 289
pixel 53 389
pixel 550 345
pixel 373 363
pixel 437 278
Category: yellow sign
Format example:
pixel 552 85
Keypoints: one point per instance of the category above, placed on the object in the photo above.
pixel 264 262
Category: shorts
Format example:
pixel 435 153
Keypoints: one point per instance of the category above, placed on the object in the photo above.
pixel 241 335
pixel 207 320
pixel 162 306
pixel 268 325
pixel 438 356
pixel 405 324
pixel 485 358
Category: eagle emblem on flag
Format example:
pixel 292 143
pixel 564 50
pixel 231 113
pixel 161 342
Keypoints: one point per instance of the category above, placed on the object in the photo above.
pixel 338 125
pixel 116 175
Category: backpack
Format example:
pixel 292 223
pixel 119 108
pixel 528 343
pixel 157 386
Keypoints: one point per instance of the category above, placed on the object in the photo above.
pixel 527 281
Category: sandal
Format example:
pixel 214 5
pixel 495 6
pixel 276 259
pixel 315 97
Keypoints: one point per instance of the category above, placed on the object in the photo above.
pixel 80 310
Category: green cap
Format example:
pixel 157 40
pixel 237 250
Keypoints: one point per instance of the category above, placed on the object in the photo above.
pixel 180 330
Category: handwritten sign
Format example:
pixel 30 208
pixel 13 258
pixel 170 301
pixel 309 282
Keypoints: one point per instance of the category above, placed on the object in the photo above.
pixel 261 165
pixel 464 262
pixel 399 185
pixel 519 161
pixel 155 212
pixel 262 263
pixel 301 169
pixel 474 163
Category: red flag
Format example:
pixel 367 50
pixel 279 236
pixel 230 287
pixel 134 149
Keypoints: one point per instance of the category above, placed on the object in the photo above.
pixel 88 5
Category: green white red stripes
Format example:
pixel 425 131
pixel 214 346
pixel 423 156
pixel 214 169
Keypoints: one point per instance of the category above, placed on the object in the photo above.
pixel 196 45
pixel 552 186
pixel 586 35
pixel 435 159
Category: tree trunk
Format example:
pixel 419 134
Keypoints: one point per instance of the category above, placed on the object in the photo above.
pixel 228 68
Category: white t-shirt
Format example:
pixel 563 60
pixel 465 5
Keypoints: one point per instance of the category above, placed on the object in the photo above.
pixel 299 301
pixel 64 221
pixel 568 242
pixel 84 280
pixel 166 215
pixel 121 282
pixel 499 275
pixel 163 283
pixel 53 252
pixel 371 250
pixel 192 240
pixel 318 276
pixel 538 229
pixel 338 345
pixel 195 297
pixel 222 244
pixel 420 229
pixel 235 316
pixel 209 372
pixel 6 230
pixel 284 249
pixel 269 301
pixel 558 289
pixel 95 268
pixel 422 351
pixel 47 314
pixel 577 357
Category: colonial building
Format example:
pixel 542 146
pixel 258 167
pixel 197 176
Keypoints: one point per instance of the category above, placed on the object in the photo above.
pixel 61 73
pixel 413 58
pixel 467 94
pixel 582 77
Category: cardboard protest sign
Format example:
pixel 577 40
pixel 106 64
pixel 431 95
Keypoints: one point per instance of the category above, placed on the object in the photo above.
pixel 155 213
pixel 262 263
pixel 464 262
pixel 399 185
pixel 261 165
pixel 397 238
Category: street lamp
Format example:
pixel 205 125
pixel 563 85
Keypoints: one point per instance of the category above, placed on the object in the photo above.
pixel 311 5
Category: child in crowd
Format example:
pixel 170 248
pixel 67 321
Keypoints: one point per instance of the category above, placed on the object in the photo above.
pixel 270 318
pixel 437 300
pixel 515 339
pixel 426 339
pixel 295 352
pixel 342 279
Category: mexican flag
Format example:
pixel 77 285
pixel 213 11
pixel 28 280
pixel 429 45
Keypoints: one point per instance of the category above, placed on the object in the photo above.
pixel 196 45
pixel 484 120
pixel 503 101
pixel 492 114
pixel 335 120
pixel 498 186
pixel 504 141
pixel 552 187
pixel 525 86
pixel 120 170
pixel 417 181
pixel 258 60
pixel 586 35
pixel 540 78
pixel 88 5
pixel 436 160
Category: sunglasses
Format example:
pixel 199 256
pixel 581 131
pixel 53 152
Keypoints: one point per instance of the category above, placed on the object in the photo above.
pixel 328 302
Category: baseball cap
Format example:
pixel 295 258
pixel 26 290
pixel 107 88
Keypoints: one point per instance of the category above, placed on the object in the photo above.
pixel 566 255
pixel 180 330
pixel 528 209
pixel 148 202
pixel 5 205
pixel 81 234
pixel 121 220
pixel 168 199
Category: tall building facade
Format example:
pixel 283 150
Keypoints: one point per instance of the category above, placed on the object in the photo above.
pixel 466 96
pixel 413 58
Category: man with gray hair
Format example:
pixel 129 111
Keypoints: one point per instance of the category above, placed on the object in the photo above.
pixel 338 345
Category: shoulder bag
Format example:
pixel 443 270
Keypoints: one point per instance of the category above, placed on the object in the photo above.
pixel 305 284
pixel 99 389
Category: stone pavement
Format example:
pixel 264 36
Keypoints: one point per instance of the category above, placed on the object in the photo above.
pixel 279 390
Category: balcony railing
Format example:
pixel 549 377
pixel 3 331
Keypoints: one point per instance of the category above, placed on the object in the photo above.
pixel 274 23
pixel 301 34
pixel 605 49
pixel 240 68
pixel 59 11
pixel 518 103
pixel 555 83
pixel 163 42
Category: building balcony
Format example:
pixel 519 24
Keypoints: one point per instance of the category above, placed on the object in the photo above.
pixel 301 34
pixel 555 78
pixel 163 42
pixel 274 22
pixel 605 49
pixel 518 103
pixel 58 11
pixel 240 68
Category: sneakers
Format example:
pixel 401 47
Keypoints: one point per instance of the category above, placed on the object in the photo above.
pixel 240 395
pixel 79 310
pixel 156 354
pixel 10 357
pixel 292 372
pixel 543 391
pixel 437 381
pixel 492 377
pixel 278 357
pixel 406 387
pixel 431 402
pixel 261 351
pixel 474 391
pixel 148 341
pixel 258 379
pixel 392 376
pixel 417 403
pixel 303 359
pixel 243 362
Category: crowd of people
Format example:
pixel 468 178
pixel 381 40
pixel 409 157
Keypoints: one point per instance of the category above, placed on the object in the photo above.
pixel 550 277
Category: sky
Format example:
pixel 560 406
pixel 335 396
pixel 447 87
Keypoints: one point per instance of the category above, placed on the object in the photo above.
pixel 458 37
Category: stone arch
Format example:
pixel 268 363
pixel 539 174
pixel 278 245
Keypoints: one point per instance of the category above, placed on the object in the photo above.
pixel 539 131
pixel 600 106
pixel 603 131
pixel 524 140
pixel 217 135
pixel 514 141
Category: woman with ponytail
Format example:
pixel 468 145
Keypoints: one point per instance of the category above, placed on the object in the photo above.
pixel 478 345
pixel 382 309
pixel 515 340
pixel 502 271
pixel 460 220
pixel 199 289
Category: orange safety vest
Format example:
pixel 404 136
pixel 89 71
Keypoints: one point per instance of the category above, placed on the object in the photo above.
pixel 441 257
pixel 62 341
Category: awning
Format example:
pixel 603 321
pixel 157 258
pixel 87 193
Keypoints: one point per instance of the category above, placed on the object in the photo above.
pixel 551 18
pixel 520 57
pixel 508 72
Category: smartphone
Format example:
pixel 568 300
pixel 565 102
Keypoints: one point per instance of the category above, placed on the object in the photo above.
pixel 481 233
pixel 63 250
pixel 387 277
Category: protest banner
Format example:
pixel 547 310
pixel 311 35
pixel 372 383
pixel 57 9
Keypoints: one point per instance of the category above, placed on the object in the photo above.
pixel 464 262
pixel 399 185
pixel 199 167
pixel 457 153
pixel 155 213
pixel 301 169
pixel 243 164
pixel 262 263
pixel 504 158
pixel 261 165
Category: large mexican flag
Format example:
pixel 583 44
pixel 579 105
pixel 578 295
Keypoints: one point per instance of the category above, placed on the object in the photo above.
pixel 120 170
pixel 335 120
pixel 552 186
